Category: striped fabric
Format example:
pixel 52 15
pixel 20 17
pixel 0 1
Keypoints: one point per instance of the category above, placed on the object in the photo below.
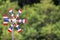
pixel 11 13
pixel 19 12
pixel 18 28
pixel 10 28
pixel 5 18
pixel 13 20
pixel 22 21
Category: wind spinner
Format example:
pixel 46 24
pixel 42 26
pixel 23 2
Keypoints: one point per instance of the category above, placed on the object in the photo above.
pixel 13 20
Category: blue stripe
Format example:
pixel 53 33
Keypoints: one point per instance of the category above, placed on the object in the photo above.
pixel 21 20
pixel 6 19
pixel 18 13
pixel 11 27
pixel 11 13
pixel 18 27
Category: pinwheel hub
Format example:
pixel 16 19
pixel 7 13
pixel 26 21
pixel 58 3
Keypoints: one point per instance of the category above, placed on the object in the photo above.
pixel 14 20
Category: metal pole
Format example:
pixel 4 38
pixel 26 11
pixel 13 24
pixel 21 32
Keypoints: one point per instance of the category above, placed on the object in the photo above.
pixel 13 33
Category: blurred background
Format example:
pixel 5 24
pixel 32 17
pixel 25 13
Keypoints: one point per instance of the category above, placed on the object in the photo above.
pixel 42 16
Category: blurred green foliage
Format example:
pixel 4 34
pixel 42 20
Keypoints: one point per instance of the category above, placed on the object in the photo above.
pixel 43 21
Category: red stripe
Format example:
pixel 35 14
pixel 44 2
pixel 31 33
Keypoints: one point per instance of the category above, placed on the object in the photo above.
pixel 19 31
pixel 12 16
pixel 17 16
pixel 10 8
pixel 4 24
pixel 24 20
pixel 18 21
pixel 4 15
pixel 9 30
pixel 20 10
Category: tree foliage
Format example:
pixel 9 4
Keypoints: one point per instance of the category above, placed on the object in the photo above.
pixel 43 21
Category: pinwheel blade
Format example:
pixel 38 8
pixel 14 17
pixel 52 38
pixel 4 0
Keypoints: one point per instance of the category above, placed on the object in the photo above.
pixel 19 12
pixel 11 13
pixel 5 18
pixel 10 28
pixel 22 21
pixel 18 28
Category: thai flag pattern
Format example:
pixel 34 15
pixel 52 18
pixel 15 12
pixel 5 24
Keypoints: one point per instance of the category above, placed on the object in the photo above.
pixel 10 28
pixel 19 12
pixel 22 21
pixel 11 13
pixel 5 18
pixel 13 20
pixel 18 28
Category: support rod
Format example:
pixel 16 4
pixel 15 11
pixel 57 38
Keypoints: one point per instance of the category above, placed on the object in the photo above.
pixel 13 33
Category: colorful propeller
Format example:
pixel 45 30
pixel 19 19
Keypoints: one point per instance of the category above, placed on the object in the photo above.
pixel 13 20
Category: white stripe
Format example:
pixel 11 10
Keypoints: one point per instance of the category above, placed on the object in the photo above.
pixel 12 25
pixel 19 29
pixel 12 15
pixel 17 16
pixel 20 20
pixel 19 11
pixel 5 22
pixel 10 11
pixel 17 25
pixel 9 20
pixel 24 20
pixel 5 17
pixel 9 29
